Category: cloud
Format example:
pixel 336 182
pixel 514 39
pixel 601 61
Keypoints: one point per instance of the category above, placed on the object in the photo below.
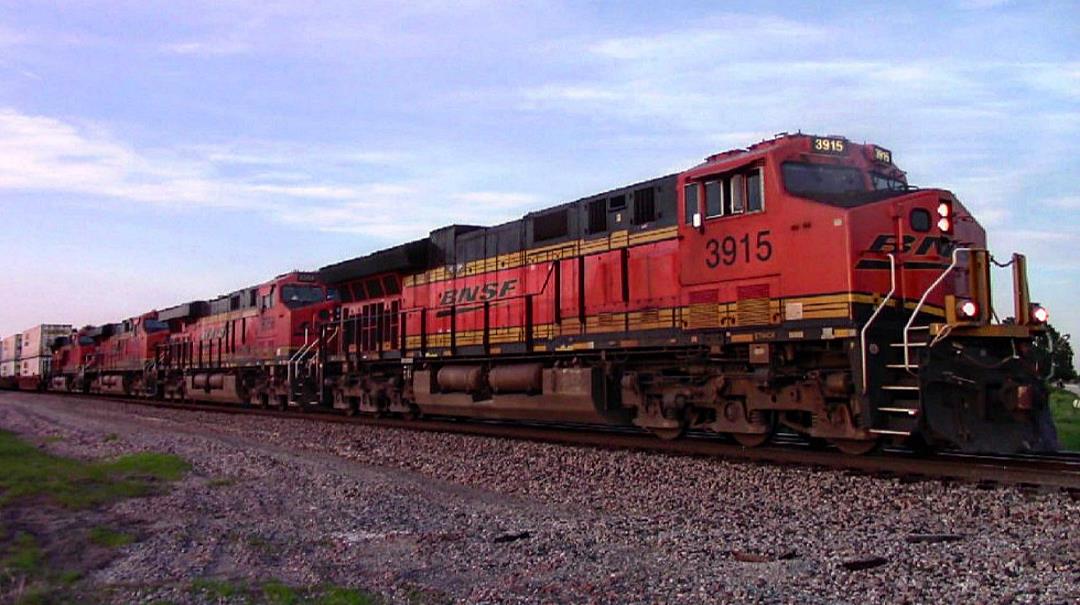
pixel 1069 202
pixel 208 48
pixel 39 153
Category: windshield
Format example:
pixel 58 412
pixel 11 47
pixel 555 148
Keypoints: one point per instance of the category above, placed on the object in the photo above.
pixel 153 325
pixel 818 178
pixel 886 182
pixel 301 296
pixel 838 185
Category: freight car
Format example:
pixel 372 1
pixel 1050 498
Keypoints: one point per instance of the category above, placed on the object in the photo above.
pixel 798 283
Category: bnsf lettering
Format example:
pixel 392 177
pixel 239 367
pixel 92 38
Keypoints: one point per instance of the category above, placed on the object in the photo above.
pixel 488 291
pixel 886 243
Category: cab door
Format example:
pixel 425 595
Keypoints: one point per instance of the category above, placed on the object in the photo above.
pixel 728 247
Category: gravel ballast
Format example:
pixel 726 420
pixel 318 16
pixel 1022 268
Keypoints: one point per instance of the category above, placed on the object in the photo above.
pixel 430 517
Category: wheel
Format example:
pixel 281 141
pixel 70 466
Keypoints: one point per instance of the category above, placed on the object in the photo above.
pixel 855 447
pixel 751 439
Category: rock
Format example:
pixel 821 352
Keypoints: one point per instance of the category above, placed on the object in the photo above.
pixel 932 538
pixel 861 563
pixel 504 538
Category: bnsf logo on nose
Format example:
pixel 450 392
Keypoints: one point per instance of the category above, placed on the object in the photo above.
pixel 487 291
pixel 886 243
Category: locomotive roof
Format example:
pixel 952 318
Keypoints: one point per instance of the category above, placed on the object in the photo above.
pixel 440 246
pixel 404 257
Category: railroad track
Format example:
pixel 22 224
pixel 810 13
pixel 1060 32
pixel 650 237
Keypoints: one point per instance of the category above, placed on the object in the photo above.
pixel 1027 471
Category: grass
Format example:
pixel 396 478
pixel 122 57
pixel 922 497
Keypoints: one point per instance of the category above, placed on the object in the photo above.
pixel 30 564
pixel 216 588
pixel 275 592
pixel 345 596
pixel 109 538
pixel 26 472
pixel 278 593
pixel 1067 418
pixel 23 555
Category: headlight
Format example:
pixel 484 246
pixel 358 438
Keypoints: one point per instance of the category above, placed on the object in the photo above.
pixel 1039 313
pixel 967 309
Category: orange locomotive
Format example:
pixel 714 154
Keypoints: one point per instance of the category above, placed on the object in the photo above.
pixel 800 283
pixel 249 346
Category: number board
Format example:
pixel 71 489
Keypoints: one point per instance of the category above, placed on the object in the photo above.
pixel 827 145
pixel 882 155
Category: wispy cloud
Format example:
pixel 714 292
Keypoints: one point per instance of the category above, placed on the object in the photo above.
pixel 208 48
pixel 39 153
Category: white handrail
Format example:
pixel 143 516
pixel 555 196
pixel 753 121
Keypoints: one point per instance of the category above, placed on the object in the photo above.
pixel 877 311
pixel 922 301
pixel 292 359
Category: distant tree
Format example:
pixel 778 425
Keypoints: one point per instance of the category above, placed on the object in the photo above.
pixel 1063 355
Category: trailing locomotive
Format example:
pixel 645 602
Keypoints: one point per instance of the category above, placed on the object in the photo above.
pixel 799 283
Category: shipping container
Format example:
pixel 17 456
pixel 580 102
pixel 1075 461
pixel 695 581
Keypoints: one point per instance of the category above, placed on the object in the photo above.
pixel 37 341
pixel 10 348
pixel 32 367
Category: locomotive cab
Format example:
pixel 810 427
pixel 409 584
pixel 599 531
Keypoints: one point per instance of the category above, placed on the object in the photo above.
pixel 814 252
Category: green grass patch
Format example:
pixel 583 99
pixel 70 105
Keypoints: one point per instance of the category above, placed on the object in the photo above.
pixel 1067 418
pixel 26 472
pixel 23 556
pixel 109 538
pixel 335 595
pixel 216 588
pixel 278 593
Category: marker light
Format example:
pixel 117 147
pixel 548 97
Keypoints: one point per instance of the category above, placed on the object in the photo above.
pixel 1039 313
pixel 967 308
pixel 943 209
pixel 943 224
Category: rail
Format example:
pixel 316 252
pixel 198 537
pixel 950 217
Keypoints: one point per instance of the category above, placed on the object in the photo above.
pixel 873 317
pixel 1060 470
pixel 922 301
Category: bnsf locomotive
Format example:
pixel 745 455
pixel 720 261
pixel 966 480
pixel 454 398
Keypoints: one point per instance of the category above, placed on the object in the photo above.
pixel 800 283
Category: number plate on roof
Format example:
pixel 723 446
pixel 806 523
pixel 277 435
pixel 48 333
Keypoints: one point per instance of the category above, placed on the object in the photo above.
pixel 828 145
pixel 882 155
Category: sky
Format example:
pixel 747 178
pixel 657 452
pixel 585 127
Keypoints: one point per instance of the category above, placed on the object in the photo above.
pixel 157 152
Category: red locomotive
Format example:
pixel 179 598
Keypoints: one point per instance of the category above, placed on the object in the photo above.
pixel 800 283
pixel 253 345
pixel 74 360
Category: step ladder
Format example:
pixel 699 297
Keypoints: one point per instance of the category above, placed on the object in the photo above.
pixel 305 368
pixel 899 407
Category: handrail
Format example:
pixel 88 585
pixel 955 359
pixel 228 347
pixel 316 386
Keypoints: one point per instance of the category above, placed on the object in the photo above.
pixel 292 360
pixel 877 311
pixel 922 301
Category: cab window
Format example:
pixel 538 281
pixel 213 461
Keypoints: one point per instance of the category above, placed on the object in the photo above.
pixel 755 191
pixel 714 198
pixel 691 196
pixel 296 296
pixel 727 195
